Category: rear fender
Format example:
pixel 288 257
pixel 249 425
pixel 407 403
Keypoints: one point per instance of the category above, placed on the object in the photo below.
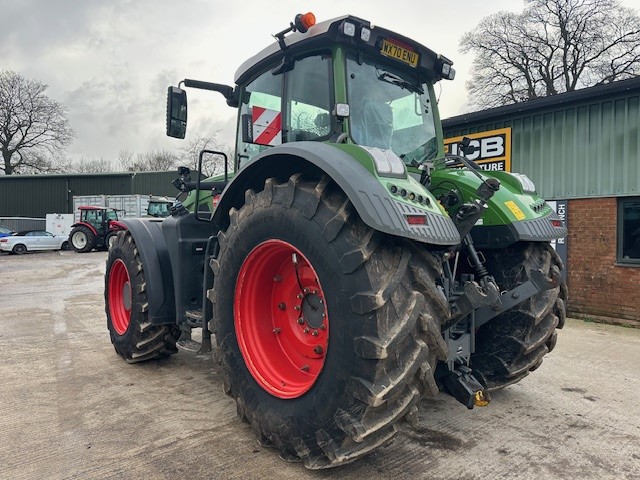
pixel 375 205
pixel 116 225
pixel 154 255
pixel 85 224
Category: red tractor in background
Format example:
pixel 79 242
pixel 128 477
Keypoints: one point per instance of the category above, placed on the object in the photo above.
pixel 97 228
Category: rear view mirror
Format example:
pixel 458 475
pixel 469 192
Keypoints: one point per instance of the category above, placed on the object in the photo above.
pixel 176 112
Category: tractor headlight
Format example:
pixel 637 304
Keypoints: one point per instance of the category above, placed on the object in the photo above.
pixel 527 185
pixel 387 163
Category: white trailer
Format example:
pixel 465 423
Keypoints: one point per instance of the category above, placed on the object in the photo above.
pixel 59 223
pixel 129 206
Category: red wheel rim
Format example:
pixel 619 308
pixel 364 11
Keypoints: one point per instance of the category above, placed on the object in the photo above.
pixel 119 297
pixel 281 319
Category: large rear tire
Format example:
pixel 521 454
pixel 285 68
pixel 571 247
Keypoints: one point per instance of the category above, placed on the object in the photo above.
pixel 328 331
pixel 134 337
pixel 514 343
pixel 82 239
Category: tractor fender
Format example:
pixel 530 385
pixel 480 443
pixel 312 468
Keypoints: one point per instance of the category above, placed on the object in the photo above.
pixel 85 224
pixel 116 225
pixel 374 204
pixel 154 255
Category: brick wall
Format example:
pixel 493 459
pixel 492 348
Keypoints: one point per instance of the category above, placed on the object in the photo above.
pixel 598 288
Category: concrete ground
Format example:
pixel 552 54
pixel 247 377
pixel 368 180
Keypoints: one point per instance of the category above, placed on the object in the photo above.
pixel 71 408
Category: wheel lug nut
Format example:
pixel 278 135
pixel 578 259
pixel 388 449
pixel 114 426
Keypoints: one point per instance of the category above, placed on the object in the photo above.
pixel 315 292
pixel 276 330
pixel 282 306
pixel 323 327
pixel 299 296
pixel 307 330
pixel 314 333
pixel 306 290
pixel 297 307
pixel 318 350
pixel 301 321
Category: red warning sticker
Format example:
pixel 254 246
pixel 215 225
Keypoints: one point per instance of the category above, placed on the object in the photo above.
pixel 266 126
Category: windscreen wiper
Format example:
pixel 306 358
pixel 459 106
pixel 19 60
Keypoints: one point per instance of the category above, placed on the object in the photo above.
pixel 401 82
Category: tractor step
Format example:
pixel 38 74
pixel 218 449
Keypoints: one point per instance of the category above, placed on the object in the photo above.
pixel 194 318
pixel 188 344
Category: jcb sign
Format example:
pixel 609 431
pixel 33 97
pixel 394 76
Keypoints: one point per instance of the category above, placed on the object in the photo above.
pixel 491 150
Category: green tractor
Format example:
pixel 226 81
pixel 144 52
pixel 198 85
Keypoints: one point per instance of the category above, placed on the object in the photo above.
pixel 344 264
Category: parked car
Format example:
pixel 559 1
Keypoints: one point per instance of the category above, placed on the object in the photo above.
pixel 33 240
pixel 5 231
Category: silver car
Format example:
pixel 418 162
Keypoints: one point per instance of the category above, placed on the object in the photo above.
pixel 33 240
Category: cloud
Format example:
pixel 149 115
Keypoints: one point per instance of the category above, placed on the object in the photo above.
pixel 110 61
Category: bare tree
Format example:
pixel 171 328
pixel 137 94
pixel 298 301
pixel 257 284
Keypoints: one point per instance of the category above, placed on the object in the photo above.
pixel 553 46
pixel 211 165
pixel 34 129
pixel 94 165
pixel 157 160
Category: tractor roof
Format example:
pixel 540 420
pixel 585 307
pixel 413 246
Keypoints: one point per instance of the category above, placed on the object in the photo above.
pixel 328 33
pixel 91 207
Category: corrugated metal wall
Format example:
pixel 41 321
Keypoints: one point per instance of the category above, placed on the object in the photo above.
pixel 37 195
pixel 577 149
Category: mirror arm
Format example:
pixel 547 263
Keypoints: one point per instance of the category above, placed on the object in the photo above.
pixel 225 90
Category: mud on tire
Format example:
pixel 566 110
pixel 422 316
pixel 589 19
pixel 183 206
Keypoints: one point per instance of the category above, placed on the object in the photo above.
pixel 383 309
pixel 125 294
pixel 514 343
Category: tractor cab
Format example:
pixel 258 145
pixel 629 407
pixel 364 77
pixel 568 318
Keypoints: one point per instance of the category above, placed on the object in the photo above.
pixel 98 217
pixel 339 81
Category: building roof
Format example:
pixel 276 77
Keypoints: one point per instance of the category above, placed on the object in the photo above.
pixel 598 91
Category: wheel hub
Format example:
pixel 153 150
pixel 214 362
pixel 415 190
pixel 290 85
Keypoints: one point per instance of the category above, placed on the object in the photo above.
pixel 119 297
pixel 313 310
pixel 281 320
pixel 80 239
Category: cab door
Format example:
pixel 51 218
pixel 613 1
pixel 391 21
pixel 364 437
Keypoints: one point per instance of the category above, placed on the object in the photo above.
pixel 290 106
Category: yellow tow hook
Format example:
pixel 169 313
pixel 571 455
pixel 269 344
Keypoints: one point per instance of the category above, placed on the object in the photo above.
pixel 480 400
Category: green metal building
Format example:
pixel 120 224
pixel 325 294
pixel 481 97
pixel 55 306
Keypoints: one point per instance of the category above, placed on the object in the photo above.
pixel 37 195
pixel 581 149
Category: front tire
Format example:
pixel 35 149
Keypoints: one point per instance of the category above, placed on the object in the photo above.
pixel 134 337
pixel 82 239
pixel 515 342
pixel 324 389
pixel 110 240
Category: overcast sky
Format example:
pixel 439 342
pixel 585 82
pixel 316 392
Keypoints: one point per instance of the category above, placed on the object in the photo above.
pixel 111 61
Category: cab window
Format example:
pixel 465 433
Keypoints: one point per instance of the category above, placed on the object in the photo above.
pixel 308 95
pixel 390 109
pixel 260 109
pixel 267 118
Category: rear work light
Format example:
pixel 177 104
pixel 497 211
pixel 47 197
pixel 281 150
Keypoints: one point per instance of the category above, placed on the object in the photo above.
pixel 416 219
pixel 556 223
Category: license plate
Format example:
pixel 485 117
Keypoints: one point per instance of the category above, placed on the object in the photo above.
pixel 393 50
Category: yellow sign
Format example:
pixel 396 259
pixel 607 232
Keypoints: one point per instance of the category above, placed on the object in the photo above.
pixel 491 150
pixel 393 50
pixel 515 209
